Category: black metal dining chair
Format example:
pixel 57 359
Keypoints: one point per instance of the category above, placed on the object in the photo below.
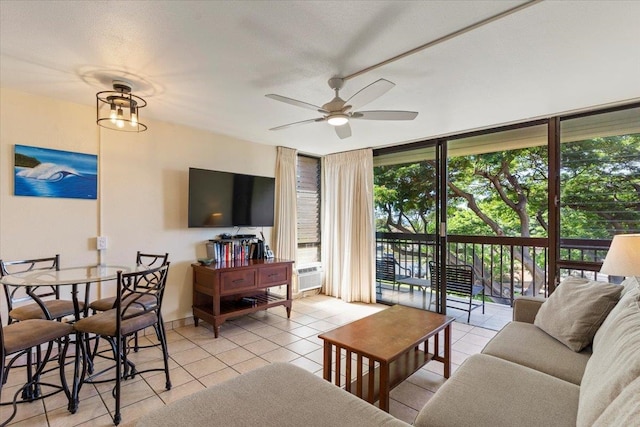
pixel 138 305
pixel 104 304
pixel 23 339
pixel 47 303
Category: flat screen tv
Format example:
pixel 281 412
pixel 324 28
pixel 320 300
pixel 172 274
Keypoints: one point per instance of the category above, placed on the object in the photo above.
pixel 224 199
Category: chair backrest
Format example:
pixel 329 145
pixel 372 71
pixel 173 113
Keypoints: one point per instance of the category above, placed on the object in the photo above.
pixel 141 292
pixel 2 353
pixel 459 277
pixel 18 294
pixel 385 269
pixel 151 260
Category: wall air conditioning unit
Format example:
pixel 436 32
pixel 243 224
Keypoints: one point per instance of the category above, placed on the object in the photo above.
pixel 309 276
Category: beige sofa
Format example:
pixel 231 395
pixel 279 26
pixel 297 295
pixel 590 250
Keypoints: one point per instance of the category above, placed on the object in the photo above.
pixel 523 377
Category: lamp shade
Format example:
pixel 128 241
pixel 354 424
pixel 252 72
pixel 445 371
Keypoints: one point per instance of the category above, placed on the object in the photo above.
pixel 623 258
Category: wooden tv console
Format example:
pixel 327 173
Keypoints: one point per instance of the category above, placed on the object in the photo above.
pixel 230 289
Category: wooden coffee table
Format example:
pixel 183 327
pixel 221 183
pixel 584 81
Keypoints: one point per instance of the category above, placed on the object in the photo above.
pixel 390 340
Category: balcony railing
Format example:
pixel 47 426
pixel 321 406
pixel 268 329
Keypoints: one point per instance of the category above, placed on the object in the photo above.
pixel 506 266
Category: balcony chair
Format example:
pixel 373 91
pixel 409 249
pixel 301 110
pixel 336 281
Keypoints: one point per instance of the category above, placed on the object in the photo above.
pixel 459 278
pixel 138 305
pixel 386 270
pixel 47 305
pixel 23 338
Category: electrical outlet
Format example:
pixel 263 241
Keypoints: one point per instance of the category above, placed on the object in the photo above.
pixel 101 243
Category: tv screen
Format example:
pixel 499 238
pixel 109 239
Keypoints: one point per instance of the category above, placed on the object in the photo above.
pixel 224 199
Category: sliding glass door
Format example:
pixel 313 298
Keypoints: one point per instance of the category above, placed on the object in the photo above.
pixel 407 196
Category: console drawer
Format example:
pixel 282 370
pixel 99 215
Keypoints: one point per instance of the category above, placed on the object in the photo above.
pixel 273 275
pixel 237 281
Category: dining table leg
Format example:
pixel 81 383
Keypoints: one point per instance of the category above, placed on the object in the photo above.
pixel 80 355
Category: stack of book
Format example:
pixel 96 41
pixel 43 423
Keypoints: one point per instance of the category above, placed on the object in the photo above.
pixel 233 250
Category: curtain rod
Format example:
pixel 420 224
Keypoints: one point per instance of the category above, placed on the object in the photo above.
pixel 447 37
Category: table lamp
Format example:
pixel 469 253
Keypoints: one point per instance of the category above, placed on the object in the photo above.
pixel 623 258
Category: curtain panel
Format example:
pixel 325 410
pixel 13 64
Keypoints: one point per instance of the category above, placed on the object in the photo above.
pixel 348 226
pixel 285 229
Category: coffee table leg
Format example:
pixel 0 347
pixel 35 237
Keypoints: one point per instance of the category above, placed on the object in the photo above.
pixel 447 351
pixel 326 368
pixel 384 386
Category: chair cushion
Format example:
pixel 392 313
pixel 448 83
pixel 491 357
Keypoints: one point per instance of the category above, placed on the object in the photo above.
pixel 57 308
pixel 30 333
pixel 615 362
pixel 528 345
pixel 487 391
pixel 105 323
pixel 576 309
pixel 105 304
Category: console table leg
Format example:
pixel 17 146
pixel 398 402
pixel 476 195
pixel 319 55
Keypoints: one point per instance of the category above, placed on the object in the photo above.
pixel 196 321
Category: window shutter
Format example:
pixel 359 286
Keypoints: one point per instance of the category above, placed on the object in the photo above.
pixel 308 193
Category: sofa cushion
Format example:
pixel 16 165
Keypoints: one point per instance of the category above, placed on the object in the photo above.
pixel 575 311
pixel 630 290
pixel 528 345
pixel 615 362
pixel 279 394
pixel 624 410
pixel 492 392
pixel 629 284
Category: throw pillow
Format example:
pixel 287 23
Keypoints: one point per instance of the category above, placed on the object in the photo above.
pixel 575 311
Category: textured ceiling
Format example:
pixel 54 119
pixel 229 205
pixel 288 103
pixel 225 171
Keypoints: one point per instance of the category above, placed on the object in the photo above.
pixel 209 64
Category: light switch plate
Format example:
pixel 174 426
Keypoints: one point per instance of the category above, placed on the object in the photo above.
pixel 101 243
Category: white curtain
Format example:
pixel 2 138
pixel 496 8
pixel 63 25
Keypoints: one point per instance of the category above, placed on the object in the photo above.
pixel 347 226
pixel 285 222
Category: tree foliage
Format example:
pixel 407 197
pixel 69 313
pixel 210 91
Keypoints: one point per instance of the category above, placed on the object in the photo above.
pixel 505 193
pixel 600 187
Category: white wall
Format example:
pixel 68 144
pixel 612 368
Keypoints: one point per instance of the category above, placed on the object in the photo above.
pixel 142 197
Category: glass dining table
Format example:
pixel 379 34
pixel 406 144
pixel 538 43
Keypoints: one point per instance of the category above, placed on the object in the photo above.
pixel 75 278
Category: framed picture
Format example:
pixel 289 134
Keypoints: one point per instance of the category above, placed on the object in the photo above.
pixel 43 172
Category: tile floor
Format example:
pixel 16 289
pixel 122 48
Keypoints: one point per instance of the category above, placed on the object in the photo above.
pixel 199 361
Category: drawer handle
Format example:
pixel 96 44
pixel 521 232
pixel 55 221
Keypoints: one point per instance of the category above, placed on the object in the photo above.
pixel 273 275
pixel 238 281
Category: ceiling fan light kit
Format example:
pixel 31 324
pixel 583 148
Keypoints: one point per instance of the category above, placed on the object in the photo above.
pixel 338 119
pixel 119 109
pixel 339 112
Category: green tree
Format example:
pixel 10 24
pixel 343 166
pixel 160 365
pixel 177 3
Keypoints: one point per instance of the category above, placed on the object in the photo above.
pixel 405 197
pixel 600 187
pixel 507 192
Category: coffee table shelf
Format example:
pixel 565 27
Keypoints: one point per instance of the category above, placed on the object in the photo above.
pixel 399 370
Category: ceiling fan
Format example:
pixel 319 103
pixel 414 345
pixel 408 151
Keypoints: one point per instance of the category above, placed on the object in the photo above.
pixel 339 112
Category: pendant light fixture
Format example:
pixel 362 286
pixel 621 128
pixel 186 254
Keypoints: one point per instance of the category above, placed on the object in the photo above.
pixel 119 109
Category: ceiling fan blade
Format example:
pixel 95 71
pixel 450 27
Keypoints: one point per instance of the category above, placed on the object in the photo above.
pixel 343 131
pixel 384 115
pixel 369 93
pixel 320 119
pixel 296 103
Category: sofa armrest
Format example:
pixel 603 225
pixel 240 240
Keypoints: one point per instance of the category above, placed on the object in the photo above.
pixel 526 308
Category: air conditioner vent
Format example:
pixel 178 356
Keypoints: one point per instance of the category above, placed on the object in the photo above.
pixel 309 276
